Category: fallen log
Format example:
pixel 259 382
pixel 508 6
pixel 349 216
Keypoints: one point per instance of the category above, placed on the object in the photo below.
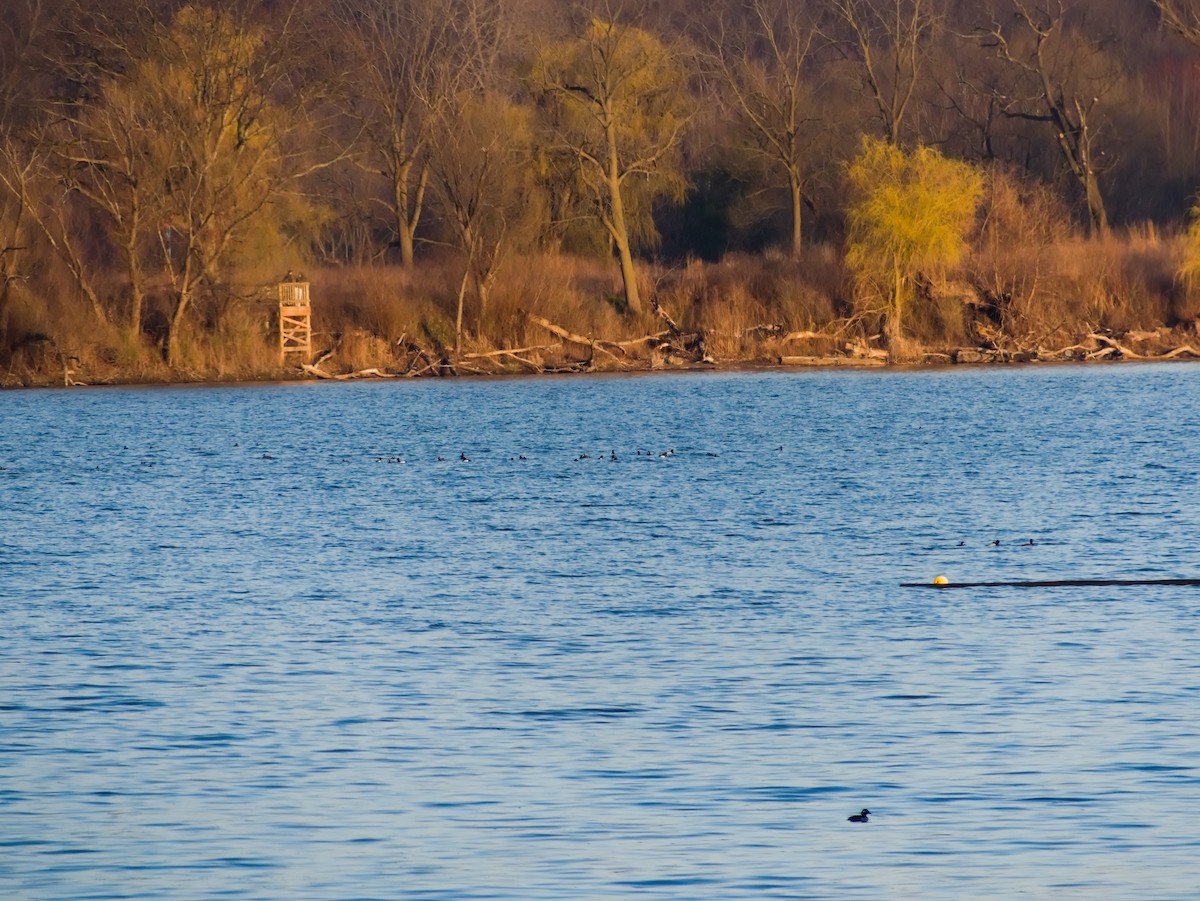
pixel 411 374
pixel 661 312
pixel 832 361
pixel 316 372
pixel 866 352
pixel 572 337
pixel 772 330
pixel 1116 347
pixel 1132 355
pixel 584 366
pixel 507 352
pixel 492 356
pixel 560 331
pixel 645 339
pixel 1070 351
pixel 1179 352
pixel 979 355
pixel 371 373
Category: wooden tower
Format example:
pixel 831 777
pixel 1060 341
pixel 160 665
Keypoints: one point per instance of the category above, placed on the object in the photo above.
pixel 295 321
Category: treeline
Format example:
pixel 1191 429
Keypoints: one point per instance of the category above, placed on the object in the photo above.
pixel 903 174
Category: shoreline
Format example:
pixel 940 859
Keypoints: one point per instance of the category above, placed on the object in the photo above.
pixel 297 375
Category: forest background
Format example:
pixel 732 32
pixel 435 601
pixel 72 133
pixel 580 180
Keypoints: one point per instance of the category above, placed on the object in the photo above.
pixel 486 185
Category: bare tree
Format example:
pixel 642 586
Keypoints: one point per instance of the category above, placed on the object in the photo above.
pixel 409 57
pixel 762 68
pixel 483 180
pixel 1063 76
pixel 45 207
pixel 101 151
pixel 888 38
pixel 19 157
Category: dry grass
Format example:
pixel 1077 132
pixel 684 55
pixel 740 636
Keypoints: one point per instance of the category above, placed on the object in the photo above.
pixel 1028 283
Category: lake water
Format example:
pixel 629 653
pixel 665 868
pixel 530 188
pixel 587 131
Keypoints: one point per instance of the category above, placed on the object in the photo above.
pixel 248 653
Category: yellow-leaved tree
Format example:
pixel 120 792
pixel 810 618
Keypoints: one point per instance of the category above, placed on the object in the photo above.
pixel 217 146
pixel 911 213
pixel 617 104
pixel 227 143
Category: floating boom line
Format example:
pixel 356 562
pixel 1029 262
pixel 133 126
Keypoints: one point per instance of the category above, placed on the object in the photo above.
pixel 1053 583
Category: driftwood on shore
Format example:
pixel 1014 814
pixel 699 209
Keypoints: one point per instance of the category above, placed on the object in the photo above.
pixel 686 347
pixel 371 373
pixel 674 347
pixel 1113 344
pixel 594 345
pixel 513 354
pixel 832 361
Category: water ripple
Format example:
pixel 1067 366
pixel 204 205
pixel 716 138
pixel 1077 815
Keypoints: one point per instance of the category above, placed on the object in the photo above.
pixel 247 654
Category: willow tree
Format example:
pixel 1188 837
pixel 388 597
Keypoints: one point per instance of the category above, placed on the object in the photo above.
pixel 223 151
pixel 910 214
pixel 616 105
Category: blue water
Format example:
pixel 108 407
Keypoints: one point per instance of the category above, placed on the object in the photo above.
pixel 247 653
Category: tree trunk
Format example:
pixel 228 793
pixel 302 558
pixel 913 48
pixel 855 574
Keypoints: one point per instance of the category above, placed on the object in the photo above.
pixel 620 231
pixel 404 231
pixel 5 284
pixel 895 324
pixel 797 201
pixel 175 326
pixel 462 293
pixel 483 291
pixel 406 218
pixel 633 298
pixel 94 300
pixel 406 247
pixel 136 293
pixel 1095 204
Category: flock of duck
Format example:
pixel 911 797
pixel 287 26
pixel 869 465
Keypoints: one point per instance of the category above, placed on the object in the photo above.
pixel 463 458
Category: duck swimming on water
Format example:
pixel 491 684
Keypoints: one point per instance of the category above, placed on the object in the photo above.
pixel 860 817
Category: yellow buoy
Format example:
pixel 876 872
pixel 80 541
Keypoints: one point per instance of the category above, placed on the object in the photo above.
pixel 941 580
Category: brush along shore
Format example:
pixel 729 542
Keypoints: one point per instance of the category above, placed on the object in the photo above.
pixel 360 355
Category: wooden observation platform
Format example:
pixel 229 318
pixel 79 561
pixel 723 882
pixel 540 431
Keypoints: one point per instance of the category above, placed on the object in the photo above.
pixel 295 321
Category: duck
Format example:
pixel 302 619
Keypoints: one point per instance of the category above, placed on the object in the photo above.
pixel 860 817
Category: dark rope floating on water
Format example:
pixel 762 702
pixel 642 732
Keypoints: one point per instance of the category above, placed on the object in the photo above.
pixel 1051 583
